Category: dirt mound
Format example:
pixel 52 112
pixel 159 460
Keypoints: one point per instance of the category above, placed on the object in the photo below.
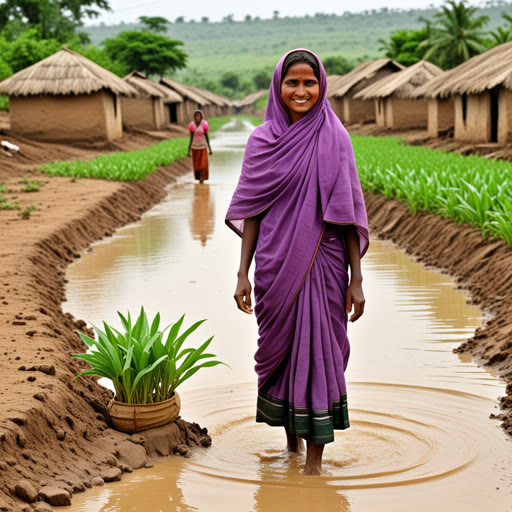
pixel 32 154
pixel 483 267
pixel 53 429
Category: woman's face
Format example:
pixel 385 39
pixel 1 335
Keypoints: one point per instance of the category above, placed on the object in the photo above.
pixel 300 90
pixel 197 117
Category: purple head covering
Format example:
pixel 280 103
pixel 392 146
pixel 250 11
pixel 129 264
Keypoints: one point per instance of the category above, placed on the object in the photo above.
pixel 279 151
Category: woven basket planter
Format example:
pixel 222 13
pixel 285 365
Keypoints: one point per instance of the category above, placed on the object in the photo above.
pixel 133 418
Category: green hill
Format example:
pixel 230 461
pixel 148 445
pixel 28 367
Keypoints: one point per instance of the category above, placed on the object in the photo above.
pixel 246 46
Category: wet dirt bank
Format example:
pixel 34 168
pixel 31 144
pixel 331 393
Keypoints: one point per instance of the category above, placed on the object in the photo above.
pixel 482 267
pixel 53 430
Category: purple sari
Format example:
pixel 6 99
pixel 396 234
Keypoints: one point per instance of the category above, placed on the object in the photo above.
pixel 302 181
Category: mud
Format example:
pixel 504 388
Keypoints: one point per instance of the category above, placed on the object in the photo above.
pixel 53 429
pixel 482 267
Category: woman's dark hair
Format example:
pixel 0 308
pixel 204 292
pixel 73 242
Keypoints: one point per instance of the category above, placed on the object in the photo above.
pixel 299 58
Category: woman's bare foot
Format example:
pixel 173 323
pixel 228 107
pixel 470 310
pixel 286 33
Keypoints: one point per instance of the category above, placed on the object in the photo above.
pixel 294 444
pixel 314 459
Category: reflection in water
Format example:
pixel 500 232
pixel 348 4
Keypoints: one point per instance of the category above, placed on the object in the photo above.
pixel 202 219
pixel 420 438
pixel 294 492
pixel 162 492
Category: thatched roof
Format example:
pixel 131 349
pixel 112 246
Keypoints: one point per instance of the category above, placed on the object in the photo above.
pixel 185 91
pixel 476 75
pixel 333 82
pixel 146 87
pixel 250 99
pixel 402 84
pixel 64 73
pixel 364 71
pixel 213 98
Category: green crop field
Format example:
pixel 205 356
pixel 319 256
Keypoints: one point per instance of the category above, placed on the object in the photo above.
pixel 247 46
pixel 467 189
pixel 133 165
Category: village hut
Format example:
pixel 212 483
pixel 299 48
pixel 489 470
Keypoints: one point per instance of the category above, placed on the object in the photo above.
pixel 66 97
pixel 191 99
pixel 333 81
pixel 247 105
pixel 219 106
pixel 356 110
pixel 481 91
pixel 153 107
pixel 395 105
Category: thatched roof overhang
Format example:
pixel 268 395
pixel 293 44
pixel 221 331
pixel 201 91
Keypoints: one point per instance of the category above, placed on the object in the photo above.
pixel 64 73
pixel 333 82
pixel 364 71
pixel 402 84
pixel 146 87
pixel 475 76
pixel 250 99
pixel 213 98
pixel 185 91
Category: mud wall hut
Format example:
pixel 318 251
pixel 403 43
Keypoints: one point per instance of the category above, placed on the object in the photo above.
pixel 220 106
pixel 247 105
pixel 481 91
pixel 333 81
pixel 66 97
pixel 191 99
pixel 153 106
pixel 393 96
pixel 356 110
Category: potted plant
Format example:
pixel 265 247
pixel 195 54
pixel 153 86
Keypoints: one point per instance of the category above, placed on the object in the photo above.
pixel 145 365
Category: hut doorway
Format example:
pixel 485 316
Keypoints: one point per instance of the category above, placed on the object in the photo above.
pixel 494 94
pixel 173 114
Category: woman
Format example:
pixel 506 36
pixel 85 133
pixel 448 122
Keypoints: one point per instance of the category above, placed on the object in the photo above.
pixel 299 209
pixel 199 142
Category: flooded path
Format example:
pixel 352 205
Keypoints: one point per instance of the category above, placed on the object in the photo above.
pixel 421 435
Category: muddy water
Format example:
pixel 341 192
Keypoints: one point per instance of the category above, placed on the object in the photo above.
pixel 421 435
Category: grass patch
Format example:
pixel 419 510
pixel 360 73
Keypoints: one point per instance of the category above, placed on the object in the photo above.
pixel 467 189
pixel 32 185
pixel 133 165
pixel 122 166
pixel 25 214
pixel 6 205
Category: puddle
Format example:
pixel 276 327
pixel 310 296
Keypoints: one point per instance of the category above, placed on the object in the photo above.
pixel 420 436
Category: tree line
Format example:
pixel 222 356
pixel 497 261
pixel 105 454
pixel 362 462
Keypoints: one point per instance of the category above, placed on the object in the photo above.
pixel 455 33
pixel 31 30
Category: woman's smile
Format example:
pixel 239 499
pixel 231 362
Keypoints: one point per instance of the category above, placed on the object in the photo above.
pixel 300 90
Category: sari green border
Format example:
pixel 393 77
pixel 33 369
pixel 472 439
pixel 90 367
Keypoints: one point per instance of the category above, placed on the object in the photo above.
pixel 312 425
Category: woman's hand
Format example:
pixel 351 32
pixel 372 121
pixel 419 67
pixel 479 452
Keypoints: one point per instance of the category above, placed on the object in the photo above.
pixel 243 295
pixel 188 154
pixel 210 151
pixel 355 297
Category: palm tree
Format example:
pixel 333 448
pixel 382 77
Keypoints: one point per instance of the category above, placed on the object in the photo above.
pixel 501 35
pixel 507 17
pixel 456 34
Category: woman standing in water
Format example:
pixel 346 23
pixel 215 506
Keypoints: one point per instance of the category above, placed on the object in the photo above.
pixel 299 209
pixel 199 143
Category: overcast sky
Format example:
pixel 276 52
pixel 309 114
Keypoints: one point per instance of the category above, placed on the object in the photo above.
pixel 130 10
